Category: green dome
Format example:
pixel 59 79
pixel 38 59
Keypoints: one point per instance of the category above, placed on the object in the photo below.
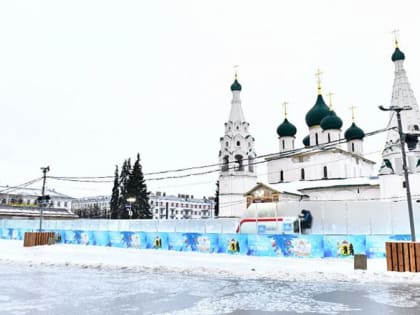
pixel 236 86
pixel 317 112
pixel 306 141
pixel 354 133
pixel 332 121
pixel 286 129
pixel 397 55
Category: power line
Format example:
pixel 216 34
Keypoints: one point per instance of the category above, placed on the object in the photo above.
pixel 276 155
pixel 24 185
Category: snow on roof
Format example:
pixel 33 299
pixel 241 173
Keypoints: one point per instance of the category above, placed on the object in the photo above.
pixel 324 149
pixel 297 187
pixel 10 190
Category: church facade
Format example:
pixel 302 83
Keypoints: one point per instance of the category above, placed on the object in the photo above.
pixel 331 164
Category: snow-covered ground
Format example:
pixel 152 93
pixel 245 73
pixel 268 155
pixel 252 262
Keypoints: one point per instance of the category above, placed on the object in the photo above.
pixel 193 263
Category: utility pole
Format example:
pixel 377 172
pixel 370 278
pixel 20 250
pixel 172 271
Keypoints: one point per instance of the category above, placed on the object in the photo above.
pixel 398 110
pixel 43 198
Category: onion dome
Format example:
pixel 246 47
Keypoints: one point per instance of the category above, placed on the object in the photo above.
pixel 398 54
pixel 332 121
pixel 317 112
pixel 286 129
pixel 235 86
pixel 306 141
pixel 354 133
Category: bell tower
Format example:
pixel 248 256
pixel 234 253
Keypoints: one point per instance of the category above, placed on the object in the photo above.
pixel 236 157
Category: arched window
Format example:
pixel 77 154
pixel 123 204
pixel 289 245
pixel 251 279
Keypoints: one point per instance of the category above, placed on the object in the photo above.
pixel 352 147
pixel 225 166
pixel 302 174
pixel 316 138
pixel 238 143
pixel 251 164
pixel 239 163
pixel 325 172
pixel 329 137
pixel 283 143
pixel 281 176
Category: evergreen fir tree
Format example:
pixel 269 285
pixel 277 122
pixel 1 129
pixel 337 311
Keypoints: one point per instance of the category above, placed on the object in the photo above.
pixel 216 200
pixel 114 204
pixel 124 180
pixel 136 188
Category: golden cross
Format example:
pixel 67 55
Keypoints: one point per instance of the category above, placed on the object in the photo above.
pixel 330 94
pixel 318 75
pixel 285 108
pixel 395 33
pixel 352 108
pixel 236 67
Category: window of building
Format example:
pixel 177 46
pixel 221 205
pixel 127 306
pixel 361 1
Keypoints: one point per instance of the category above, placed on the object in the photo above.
pixel 283 143
pixel 316 138
pixel 238 143
pixel 225 166
pixel 227 143
pixel 251 164
pixel 302 174
pixel 352 147
pixel 325 172
pixel 329 137
pixel 281 176
pixel 239 163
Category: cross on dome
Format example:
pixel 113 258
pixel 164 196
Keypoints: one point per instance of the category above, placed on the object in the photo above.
pixel 395 32
pixel 330 94
pixel 318 75
pixel 284 104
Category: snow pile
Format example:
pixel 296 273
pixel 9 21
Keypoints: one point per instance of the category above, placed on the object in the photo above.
pixel 193 263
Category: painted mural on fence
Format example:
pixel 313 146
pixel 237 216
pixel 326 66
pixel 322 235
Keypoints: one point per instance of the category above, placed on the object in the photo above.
pixel 234 244
pixel 344 245
pixel 281 245
pixel 375 244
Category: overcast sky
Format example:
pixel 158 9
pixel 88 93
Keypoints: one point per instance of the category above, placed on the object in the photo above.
pixel 86 84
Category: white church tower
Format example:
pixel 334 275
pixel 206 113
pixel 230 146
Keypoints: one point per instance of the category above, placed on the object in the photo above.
pixel 391 180
pixel 237 157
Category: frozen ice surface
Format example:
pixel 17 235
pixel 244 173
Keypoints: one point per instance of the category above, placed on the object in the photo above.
pixel 69 279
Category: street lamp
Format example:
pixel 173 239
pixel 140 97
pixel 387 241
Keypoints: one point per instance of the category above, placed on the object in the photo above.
pixel 404 160
pixel 130 201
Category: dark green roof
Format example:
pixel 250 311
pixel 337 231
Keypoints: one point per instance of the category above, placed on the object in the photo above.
pixel 306 141
pixel 332 121
pixel 397 55
pixel 317 112
pixel 235 86
pixel 354 133
pixel 286 129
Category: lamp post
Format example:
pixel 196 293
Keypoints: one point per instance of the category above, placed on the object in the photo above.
pixel 398 110
pixel 130 201
pixel 43 199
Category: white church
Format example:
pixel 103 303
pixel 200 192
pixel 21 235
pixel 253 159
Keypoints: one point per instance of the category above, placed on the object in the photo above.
pixel 330 166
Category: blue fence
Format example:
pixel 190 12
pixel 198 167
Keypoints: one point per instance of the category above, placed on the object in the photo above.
pixel 284 245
